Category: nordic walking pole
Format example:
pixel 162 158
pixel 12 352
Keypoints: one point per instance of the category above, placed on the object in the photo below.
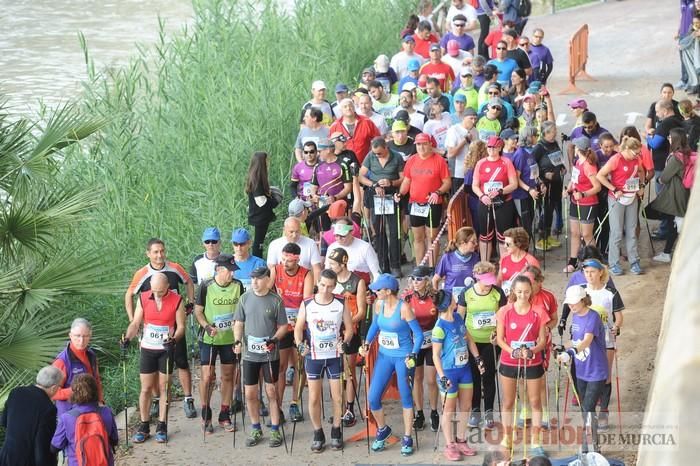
pixel 366 403
pixel 415 431
pixel 496 363
pixel 277 401
pixel 515 409
pixel 556 396
pixel 525 404
pixel 646 221
pixel 167 389
pixel 567 246
pixel 442 414
pixel 300 387
pixel 126 403
pixel 235 413
pixel 207 402
pixel 617 387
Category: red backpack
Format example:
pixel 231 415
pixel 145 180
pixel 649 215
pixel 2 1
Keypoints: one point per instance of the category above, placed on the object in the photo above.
pixel 688 169
pixel 91 439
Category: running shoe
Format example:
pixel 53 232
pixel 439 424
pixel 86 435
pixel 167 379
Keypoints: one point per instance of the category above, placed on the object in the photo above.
pixel 275 439
pixel 474 419
pixel 318 444
pixel 336 441
pixel 489 424
pixel 434 421
pixel 349 419
pixel 161 432
pixel 254 438
pixel 636 269
pixel 452 453
pixel 419 421
pixel 208 427
pixel 155 407
pixel 616 270
pixel 406 445
pixel 295 413
pixel 536 450
pixel 190 410
pixel 662 257
pixel 289 376
pixel 225 422
pixel 603 424
pixel 142 434
pixel 382 434
pixel 540 245
pixel 552 242
pixel 464 448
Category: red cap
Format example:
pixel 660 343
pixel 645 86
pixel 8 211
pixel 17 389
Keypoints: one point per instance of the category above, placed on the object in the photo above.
pixel 422 138
pixel 494 141
pixel 452 47
pixel 337 209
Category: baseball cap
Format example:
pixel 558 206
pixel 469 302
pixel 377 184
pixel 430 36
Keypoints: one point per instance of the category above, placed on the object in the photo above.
pixel 385 281
pixel 324 143
pixel 578 103
pixel 226 260
pixel 402 115
pixel 582 143
pixel 487 278
pixel 421 271
pixel 529 97
pixel 337 209
pixel 339 255
pixel 413 65
pixel 297 206
pixel 470 112
pixel 422 138
pixel 211 234
pixel 368 70
pixel 460 97
pixel 342 229
pixel 409 38
pixel 466 71
pixel 453 47
pixel 574 294
pixel 240 235
pixel 399 125
pixel 318 85
pixel 408 86
pixel 434 47
pixel 495 103
pixel 341 87
pixel 260 272
pixel 494 141
pixel 508 134
pixel 381 64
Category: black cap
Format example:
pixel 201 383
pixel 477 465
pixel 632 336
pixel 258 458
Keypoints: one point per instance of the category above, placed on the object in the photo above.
pixel 226 260
pixel 339 255
pixel 422 271
pixel 260 272
pixel 402 115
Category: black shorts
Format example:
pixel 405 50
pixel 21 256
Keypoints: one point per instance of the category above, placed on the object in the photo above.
pixel 354 345
pixel 287 341
pixel 251 371
pixel 531 372
pixel 431 221
pixel 586 214
pixel 181 359
pixel 316 368
pixel 425 356
pixel 209 352
pixel 488 225
pixel 152 361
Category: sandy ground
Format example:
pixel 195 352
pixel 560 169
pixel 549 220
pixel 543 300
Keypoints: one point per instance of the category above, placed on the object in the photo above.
pixel 629 60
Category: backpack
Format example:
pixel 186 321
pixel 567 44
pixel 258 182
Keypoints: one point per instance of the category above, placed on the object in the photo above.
pixel 688 169
pixel 91 440
pixel 524 8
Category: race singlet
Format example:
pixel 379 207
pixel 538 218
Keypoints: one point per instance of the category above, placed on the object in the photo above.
pixel 420 210
pixel 389 340
pixel 256 345
pixel 153 336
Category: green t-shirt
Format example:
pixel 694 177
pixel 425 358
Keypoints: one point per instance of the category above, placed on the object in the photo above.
pixel 220 304
pixel 481 312
pixel 487 128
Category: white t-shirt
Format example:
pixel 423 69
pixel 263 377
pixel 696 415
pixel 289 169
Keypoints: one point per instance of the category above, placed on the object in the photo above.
pixel 309 252
pixel 455 134
pixel 379 122
pixel 466 10
pixel 361 257
pixel 399 63
pixel 438 128
pixel 456 63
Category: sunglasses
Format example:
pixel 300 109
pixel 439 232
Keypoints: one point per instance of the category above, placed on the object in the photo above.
pixel 238 244
pixel 459 25
pixel 211 241
pixel 419 279
pixel 309 151
pixel 500 48
pixel 339 139
pixel 496 107
pixel 523 44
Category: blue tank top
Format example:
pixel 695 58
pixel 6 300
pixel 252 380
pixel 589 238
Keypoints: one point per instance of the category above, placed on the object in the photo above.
pixel 395 337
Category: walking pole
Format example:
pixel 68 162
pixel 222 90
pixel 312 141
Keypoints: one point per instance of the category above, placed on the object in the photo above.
pixel 599 230
pixel 545 236
pixel 235 413
pixel 617 388
pixel 496 364
pixel 556 395
pixel 525 404
pixel 167 391
pixel 300 387
pixel 126 403
pixel 364 369
pixel 566 236
pixel 207 402
pixel 515 409
pixel 413 407
pixel 442 414
pixel 277 401
pixel 573 387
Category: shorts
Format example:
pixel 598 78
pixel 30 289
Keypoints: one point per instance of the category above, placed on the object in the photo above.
pixel 588 213
pixel 315 368
pixel 181 359
pixel 434 217
pixel 530 372
pixel 208 352
pixel 354 345
pixel 460 378
pixel 287 341
pixel 425 356
pixel 495 220
pixel 251 371
pixel 153 361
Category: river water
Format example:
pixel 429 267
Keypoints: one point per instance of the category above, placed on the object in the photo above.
pixel 40 55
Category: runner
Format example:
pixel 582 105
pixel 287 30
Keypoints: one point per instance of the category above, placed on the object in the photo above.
pixel 322 317
pixel 452 348
pixel 217 300
pixel 478 306
pixel 458 262
pixel 176 276
pixel 303 171
pixel 162 312
pixel 625 172
pixel 353 290
pixel 294 284
pixel 521 335
pixel 424 302
pixel 260 323
pixel 550 161
pixel 204 265
pixel 516 261
pixel 606 300
pixel 76 358
pixel 587 348
pixel 246 262
pixel 400 340
pixel 583 191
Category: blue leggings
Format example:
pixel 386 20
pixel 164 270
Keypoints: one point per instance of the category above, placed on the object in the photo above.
pixel 384 368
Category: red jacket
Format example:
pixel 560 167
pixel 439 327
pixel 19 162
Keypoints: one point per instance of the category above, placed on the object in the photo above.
pixel 359 142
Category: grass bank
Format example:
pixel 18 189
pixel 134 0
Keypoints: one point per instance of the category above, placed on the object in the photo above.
pixel 186 115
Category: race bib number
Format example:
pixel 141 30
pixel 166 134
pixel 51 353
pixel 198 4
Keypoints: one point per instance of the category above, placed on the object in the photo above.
pixel 457 291
pixel 383 205
pixel 325 343
pixel 153 336
pixel 461 357
pixel 306 189
pixel 505 286
pixel 389 340
pixel 575 172
pixel 481 320
pixel 427 339
pixel 224 322
pixel 292 314
pixel 534 171
pixel 556 158
pixel 256 345
pixel 490 186
pixel 632 185
pixel 420 210
pixel 526 343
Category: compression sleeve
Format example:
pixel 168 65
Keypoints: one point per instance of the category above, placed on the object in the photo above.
pixel 417 335
pixel 655 141
pixel 565 311
pixel 372 332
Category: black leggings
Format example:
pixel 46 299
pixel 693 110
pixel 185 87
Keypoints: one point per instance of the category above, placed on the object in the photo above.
pixel 259 239
pixel 672 234
pixel 527 214
pixel 484 24
pixel 551 199
pixel 489 378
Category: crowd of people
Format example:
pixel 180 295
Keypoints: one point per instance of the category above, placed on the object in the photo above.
pixel 474 332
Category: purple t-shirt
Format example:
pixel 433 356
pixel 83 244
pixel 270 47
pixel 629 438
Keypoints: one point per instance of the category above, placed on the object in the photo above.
pixel 303 173
pixel 329 177
pixel 524 163
pixel 454 268
pixel 578 278
pixel 594 136
pixel 686 17
pixel 539 54
pixel 465 41
pixel 591 363
pixel 480 11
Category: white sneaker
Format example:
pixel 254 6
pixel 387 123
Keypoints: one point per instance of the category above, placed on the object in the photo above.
pixel 663 257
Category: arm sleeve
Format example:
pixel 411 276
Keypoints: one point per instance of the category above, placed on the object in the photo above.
pixel 656 141
pixel 417 335
pixel 565 311
pixel 373 331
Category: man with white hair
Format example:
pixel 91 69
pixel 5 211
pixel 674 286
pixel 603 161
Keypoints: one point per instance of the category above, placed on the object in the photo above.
pixel 29 420
pixel 309 257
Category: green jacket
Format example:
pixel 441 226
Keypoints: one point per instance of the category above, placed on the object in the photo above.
pixel 673 199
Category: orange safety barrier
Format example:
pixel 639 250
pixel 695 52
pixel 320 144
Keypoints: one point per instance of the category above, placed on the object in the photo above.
pixel 578 58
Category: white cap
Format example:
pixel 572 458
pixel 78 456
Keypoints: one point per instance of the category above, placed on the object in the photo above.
pixel 409 86
pixel 318 85
pixel 381 64
pixel 574 294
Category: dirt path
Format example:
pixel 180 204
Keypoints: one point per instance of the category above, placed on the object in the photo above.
pixel 630 61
